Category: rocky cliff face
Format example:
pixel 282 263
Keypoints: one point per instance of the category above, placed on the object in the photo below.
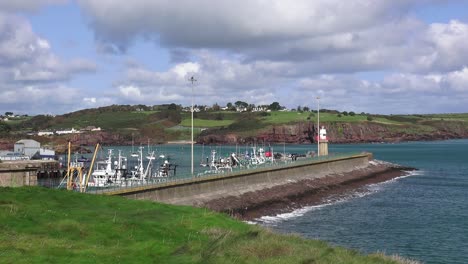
pixel 299 133
pixel 88 139
pixel 346 133
pixel 7 144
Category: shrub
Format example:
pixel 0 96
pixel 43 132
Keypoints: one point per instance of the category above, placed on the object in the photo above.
pixel 369 118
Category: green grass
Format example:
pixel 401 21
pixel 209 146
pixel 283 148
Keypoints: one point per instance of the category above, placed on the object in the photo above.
pixel 105 120
pixel 182 133
pixel 328 117
pixel 40 225
pixel 449 117
pixel 278 117
pixel 17 120
pixel 383 120
pixel 205 123
pixel 144 112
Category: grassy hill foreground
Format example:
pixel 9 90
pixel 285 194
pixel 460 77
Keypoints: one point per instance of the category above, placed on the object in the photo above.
pixel 40 225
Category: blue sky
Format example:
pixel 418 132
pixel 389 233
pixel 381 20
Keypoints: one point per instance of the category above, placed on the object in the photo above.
pixel 390 57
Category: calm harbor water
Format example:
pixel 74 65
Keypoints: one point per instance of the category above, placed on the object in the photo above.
pixel 423 216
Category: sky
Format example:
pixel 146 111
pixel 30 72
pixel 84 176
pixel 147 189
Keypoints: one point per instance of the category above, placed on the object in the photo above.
pixel 373 56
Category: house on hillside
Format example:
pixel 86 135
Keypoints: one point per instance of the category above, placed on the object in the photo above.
pixel 90 128
pixel 188 109
pixel 45 133
pixel 70 131
pixel 241 109
pixel 259 109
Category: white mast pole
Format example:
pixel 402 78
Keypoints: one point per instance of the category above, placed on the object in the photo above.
pixel 318 126
pixel 192 80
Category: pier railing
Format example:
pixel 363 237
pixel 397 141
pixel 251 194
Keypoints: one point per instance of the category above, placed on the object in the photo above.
pixel 118 187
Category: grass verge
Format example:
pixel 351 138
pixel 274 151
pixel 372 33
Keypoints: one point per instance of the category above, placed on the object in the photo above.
pixel 53 226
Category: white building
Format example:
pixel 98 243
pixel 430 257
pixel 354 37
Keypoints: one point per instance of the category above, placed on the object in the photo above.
pixel 70 131
pixel 241 109
pixel 32 149
pixel 45 133
pixel 9 155
pixel 259 109
pixel 27 147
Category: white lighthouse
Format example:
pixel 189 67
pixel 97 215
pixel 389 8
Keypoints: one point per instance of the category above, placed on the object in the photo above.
pixel 323 142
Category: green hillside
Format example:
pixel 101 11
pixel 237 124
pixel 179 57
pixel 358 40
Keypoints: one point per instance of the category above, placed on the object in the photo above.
pixel 55 226
pixel 169 122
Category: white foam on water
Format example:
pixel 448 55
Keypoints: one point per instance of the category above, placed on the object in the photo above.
pixel 272 220
pixel 406 175
pixel 367 190
pixel 378 162
pixel 293 214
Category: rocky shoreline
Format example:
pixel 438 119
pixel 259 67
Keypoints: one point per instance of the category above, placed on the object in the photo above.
pixel 295 195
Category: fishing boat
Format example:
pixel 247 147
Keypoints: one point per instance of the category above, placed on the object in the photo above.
pixel 101 176
pixel 219 164
pixel 165 170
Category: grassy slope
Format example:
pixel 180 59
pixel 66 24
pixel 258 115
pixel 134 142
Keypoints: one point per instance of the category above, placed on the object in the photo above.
pixel 51 226
pixel 205 123
pixel 162 129
pixel 414 124
pixel 105 120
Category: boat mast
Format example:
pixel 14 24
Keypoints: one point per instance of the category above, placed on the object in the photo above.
pixel 192 80
pixel 140 165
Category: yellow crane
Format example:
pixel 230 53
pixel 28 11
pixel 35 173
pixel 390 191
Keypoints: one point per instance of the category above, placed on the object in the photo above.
pixel 76 177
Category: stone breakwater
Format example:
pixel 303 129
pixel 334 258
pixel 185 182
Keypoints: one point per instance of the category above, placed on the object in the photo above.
pixel 294 195
pixel 270 190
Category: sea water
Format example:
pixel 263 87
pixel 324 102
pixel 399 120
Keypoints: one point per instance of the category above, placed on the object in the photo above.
pixel 423 215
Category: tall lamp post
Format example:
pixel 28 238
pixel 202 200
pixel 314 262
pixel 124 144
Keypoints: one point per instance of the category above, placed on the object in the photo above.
pixel 192 80
pixel 318 126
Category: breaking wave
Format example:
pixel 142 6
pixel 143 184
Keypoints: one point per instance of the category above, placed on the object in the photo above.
pixel 333 200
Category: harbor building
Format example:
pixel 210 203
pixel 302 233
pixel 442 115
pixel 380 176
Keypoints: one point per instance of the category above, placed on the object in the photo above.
pixel 28 149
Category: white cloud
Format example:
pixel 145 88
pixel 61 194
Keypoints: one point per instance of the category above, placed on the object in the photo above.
pixel 457 81
pixel 254 51
pixel 131 92
pixel 32 77
pixel 225 23
pixel 29 58
pixel 324 36
pixel 30 98
pixel 182 70
pixel 26 5
pixel 90 100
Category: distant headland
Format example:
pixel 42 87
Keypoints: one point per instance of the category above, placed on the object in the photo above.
pixel 238 123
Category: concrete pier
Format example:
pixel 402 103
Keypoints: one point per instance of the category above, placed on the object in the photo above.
pixel 196 191
pixel 25 172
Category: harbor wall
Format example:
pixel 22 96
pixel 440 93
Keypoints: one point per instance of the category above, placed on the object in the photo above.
pixel 198 191
pixel 24 172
